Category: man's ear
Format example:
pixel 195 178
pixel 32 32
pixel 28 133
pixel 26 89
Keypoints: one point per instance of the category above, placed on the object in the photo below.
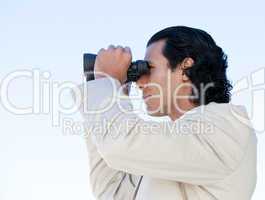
pixel 186 63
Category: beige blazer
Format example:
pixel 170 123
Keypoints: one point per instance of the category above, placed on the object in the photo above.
pixel 208 153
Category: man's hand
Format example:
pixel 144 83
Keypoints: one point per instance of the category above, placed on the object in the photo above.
pixel 114 61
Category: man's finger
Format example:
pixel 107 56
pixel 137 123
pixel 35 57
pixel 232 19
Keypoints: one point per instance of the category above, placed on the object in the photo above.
pixel 101 50
pixel 119 47
pixel 111 46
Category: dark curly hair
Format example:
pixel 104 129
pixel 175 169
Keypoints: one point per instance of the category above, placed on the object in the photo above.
pixel 210 62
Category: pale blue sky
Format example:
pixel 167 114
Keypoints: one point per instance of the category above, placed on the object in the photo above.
pixel 37 160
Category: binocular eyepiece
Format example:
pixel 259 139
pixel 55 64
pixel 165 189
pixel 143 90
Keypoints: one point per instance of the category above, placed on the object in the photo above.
pixel 135 71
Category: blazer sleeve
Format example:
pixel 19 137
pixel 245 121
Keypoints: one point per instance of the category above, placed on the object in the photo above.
pixel 106 182
pixel 190 149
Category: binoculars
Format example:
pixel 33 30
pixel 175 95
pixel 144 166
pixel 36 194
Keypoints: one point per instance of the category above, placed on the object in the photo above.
pixel 135 71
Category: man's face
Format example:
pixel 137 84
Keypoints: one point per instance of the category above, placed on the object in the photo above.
pixel 161 83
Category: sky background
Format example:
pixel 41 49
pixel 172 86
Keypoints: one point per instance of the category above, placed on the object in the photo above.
pixel 38 160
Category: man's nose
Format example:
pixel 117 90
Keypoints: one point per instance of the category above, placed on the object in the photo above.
pixel 142 81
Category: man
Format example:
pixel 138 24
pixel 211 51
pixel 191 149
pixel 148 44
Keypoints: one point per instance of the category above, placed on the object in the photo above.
pixel 206 151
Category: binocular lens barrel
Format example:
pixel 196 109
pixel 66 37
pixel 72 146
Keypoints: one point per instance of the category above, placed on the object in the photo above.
pixel 135 71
